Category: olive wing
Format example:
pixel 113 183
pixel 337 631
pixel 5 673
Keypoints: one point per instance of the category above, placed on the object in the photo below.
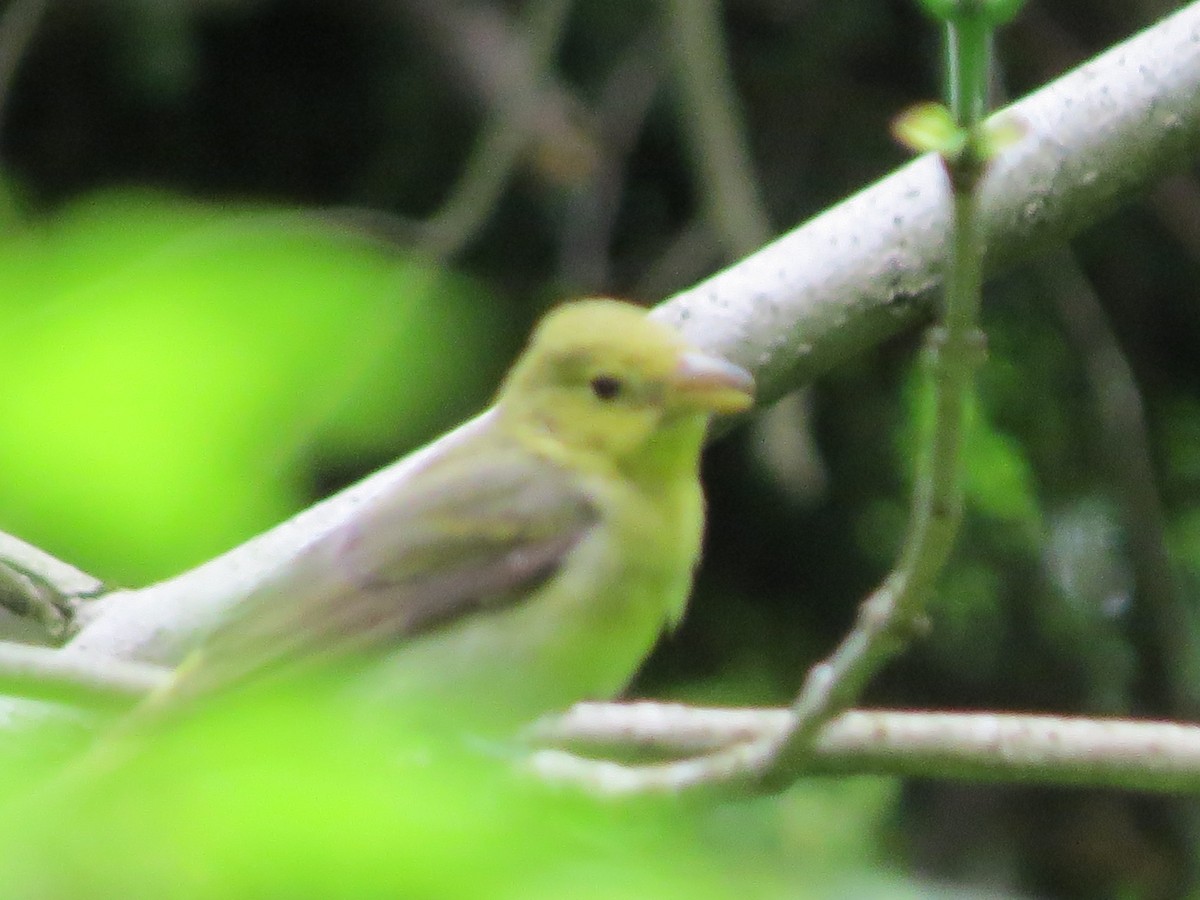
pixel 460 537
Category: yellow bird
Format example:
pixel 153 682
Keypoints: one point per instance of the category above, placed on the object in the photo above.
pixel 532 564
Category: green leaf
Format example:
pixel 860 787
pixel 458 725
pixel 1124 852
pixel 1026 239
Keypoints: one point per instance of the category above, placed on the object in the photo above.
pixel 929 127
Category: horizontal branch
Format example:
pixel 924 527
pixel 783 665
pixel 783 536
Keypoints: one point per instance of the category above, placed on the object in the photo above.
pixel 723 746
pixel 39 673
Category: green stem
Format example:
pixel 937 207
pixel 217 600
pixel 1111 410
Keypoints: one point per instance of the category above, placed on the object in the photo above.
pixel 896 608
pixel 968 46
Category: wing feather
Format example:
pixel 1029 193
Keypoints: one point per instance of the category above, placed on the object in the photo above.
pixel 453 540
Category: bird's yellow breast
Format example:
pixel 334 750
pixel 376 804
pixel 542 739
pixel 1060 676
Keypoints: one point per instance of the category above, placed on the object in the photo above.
pixel 581 635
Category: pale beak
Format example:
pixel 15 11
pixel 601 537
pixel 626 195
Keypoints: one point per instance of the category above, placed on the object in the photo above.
pixel 713 384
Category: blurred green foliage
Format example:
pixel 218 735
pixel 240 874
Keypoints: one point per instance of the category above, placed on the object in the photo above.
pixel 172 368
pixel 287 795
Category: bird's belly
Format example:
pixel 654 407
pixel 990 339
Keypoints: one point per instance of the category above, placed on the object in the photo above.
pixel 580 636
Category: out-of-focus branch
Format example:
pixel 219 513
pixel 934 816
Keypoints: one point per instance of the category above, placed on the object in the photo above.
pixel 18 25
pixel 38 673
pixel 1176 201
pixel 711 125
pixel 692 252
pixel 1136 755
pixel 510 66
pixel 624 102
pixel 495 62
pixel 1165 625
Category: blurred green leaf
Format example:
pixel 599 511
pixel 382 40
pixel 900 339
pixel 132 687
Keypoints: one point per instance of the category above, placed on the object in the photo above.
pixel 168 365
pixel 929 127
pixel 290 796
pixel 271 800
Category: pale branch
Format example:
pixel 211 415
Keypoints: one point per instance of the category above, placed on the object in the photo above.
pixel 723 771
pixel 88 680
pixel 865 269
pixel 725 748
pixel 656 727
pixel 722 748
pixel 39 588
pixel 831 289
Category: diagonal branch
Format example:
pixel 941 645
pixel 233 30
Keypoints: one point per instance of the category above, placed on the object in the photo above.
pixel 830 290
pixel 865 269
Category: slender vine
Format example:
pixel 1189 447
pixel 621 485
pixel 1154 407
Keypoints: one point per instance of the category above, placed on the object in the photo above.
pixel 955 350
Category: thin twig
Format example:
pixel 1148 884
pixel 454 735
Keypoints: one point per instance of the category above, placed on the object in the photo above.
pixel 655 727
pixel 894 610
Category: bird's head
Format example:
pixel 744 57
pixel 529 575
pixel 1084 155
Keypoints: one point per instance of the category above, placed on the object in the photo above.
pixel 601 377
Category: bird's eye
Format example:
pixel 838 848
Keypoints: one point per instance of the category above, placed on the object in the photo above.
pixel 606 387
